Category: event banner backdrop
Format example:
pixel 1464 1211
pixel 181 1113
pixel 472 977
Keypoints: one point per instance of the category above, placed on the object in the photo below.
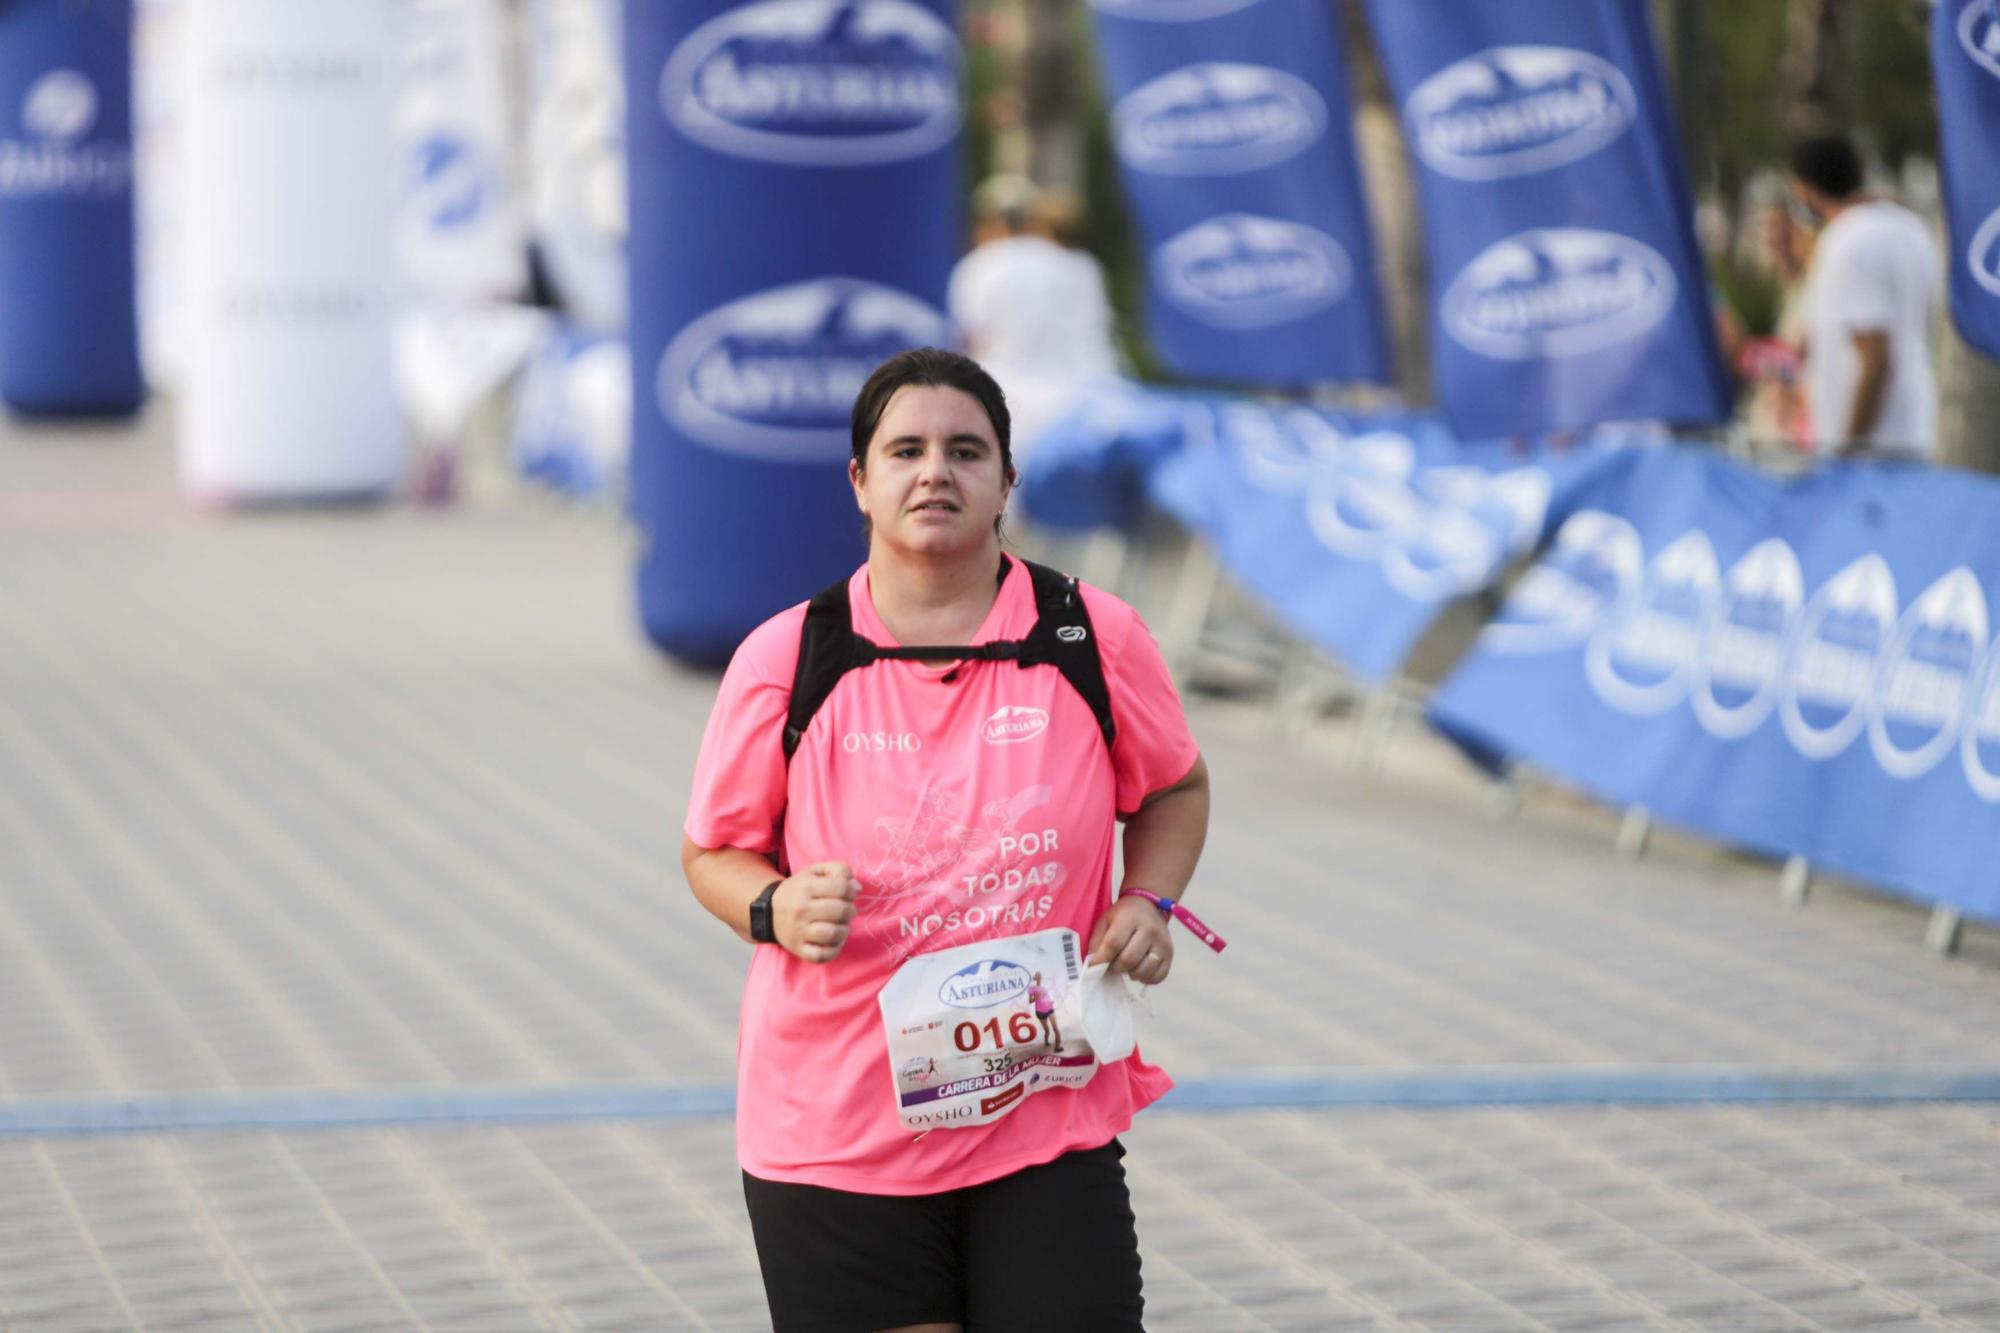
pixel 1230 120
pixel 290 389
pixel 69 339
pixel 1965 59
pixel 461 233
pixel 1357 531
pixel 794 173
pixel 1801 666
pixel 575 160
pixel 1567 286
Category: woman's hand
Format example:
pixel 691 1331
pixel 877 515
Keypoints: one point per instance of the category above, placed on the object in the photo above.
pixel 812 910
pixel 1133 938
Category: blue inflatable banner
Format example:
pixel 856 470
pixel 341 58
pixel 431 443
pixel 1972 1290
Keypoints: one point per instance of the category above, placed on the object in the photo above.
pixel 69 339
pixel 794 221
pixel 1356 532
pixel 1799 667
pixel 1567 288
pixel 1965 59
pixel 1230 120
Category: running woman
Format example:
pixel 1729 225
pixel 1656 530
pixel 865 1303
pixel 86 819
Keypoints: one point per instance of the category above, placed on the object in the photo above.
pixel 1045 1013
pixel 932 805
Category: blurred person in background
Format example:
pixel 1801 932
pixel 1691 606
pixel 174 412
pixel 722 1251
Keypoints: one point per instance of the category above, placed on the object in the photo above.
pixel 1766 357
pixel 1031 309
pixel 1871 294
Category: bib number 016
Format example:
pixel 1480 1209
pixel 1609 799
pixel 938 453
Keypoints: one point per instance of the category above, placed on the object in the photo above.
pixel 971 1036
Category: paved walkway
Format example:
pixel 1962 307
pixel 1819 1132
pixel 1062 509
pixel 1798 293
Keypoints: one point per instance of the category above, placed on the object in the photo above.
pixel 383 800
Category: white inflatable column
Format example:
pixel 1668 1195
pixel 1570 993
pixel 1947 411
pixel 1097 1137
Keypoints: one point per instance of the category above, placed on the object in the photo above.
pixel 290 392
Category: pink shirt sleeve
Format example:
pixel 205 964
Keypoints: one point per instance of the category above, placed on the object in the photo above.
pixel 739 777
pixel 1154 748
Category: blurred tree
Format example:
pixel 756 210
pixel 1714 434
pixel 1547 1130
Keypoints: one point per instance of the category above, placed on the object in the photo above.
pixel 1812 82
pixel 1394 216
pixel 1049 70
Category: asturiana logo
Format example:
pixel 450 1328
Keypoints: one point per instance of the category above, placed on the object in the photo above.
pixel 1558 292
pixel 60 105
pixel 1216 119
pixel 1170 11
pixel 1277 452
pixel 1982 257
pixel 1979 34
pixel 1592 569
pixel 817 82
pixel 1927 674
pixel 1358 503
pixel 1830 662
pixel 1014 722
pixel 451 185
pixel 1979 739
pixel 983 984
pixel 54 157
pixel 1512 110
pixel 1238 271
pixel 1475 521
pixel 1640 662
pixel 1736 673
pixel 774 374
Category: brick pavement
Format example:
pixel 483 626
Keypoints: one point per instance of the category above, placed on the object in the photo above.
pixel 381 799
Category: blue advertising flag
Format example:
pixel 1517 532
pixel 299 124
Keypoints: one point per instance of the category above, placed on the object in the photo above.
pixel 69 339
pixel 1965 59
pixel 1567 288
pixel 1230 121
pixel 794 220
pixel 1793 666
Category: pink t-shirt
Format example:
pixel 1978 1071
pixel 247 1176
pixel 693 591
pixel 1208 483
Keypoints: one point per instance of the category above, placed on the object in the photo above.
pixel 973 803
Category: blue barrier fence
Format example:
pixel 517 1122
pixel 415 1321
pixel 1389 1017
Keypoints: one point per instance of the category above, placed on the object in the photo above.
pixel 1805 668
pixel 1802 667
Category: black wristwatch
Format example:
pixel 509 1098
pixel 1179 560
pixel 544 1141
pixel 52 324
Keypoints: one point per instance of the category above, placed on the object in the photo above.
pixel 761 925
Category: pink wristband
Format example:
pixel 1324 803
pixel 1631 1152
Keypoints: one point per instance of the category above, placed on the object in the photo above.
pixel 1171 909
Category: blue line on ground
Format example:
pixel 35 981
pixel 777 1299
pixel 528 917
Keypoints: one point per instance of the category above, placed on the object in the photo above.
pixel 1518 1086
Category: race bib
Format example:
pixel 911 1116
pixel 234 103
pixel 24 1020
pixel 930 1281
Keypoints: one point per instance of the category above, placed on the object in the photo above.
pixel 976 1030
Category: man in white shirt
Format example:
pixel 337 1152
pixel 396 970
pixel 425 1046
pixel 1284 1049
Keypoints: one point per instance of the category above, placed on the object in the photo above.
pixel 1871 297
pixel 1032 311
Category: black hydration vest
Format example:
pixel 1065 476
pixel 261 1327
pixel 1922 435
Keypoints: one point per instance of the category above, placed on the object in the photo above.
pixel 829 649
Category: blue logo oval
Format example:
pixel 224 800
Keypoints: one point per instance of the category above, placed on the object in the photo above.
pixel 1979 34
pixel 451 184
pixel 1558 292
pixel 1641 661
pixel 1475 522
pixel 1830 662
pixel 1216 119
pixel 1514 110
pixel 1591 571
pixel 61 105
pixel 1982 256
pixel 1238 271
pixel 983 984
pixel 1736 676
pixel 774 374
pixel 1926 680
pixel 817 82
pixel 1979 732
pixel 1170 11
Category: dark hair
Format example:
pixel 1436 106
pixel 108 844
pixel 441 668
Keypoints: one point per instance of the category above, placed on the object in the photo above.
pixel 936 368
pixel 1829 163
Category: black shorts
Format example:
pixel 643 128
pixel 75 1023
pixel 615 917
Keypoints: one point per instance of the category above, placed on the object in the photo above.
pixel 1051 1248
